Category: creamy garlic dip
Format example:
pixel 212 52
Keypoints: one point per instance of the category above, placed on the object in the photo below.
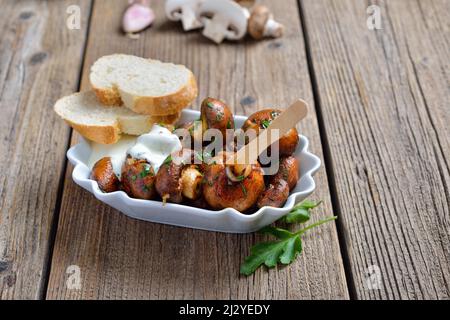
pixel 155 146
pixel 117 152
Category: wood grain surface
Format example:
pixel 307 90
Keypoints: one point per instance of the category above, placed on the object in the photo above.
pixel 384 99
pixel 123 258
pixel 40 61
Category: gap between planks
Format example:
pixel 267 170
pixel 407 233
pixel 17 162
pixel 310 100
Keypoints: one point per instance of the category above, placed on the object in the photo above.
pixel 55 221
pixel 327 157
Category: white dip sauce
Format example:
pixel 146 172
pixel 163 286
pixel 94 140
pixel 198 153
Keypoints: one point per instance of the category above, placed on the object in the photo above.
pixel 154 147
pixel 117 152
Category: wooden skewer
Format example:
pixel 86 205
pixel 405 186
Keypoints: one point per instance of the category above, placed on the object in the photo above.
pixel 283 123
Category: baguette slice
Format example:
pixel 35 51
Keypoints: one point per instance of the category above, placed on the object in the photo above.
pixel 145 86
pixel 85 114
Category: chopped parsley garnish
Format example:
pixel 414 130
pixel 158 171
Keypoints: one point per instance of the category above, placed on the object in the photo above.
pixel 244 190
pixel 219 116
pixel 168 160
pixel 145 172
pixel 198 155
pixel 210 105
pixel 265 123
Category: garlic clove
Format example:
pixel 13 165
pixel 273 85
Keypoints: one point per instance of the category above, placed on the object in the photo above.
pixel 137 17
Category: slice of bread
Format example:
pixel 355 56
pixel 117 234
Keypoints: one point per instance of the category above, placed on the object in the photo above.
pixel 145 86
pixel 105 125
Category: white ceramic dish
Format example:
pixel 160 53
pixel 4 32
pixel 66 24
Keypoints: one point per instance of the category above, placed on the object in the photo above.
pixel 226 220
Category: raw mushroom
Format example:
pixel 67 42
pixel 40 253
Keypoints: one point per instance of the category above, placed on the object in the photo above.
pixel 137 17
pixel 261 23
pixel 186 11
pixel 223 19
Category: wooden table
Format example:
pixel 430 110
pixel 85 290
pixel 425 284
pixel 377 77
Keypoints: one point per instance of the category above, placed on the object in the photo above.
pixel 380 121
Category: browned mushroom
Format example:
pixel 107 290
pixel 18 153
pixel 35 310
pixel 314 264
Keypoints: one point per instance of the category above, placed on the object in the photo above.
pixel 262 119
pixel 138 179
pixel 103 173
pixel 275 195
pixel 288 171
pixel 178 179
pixel 215 114
pixel 280 184
pixel 222 188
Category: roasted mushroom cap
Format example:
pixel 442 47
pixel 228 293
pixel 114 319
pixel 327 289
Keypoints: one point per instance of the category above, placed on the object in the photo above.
pixel 262 119
pixel 275 195
pixel 179 179
pixel 288 171
pixel 220 192
pixel 215 114
pixel 195 131
pixel 103 173
pixel 138 179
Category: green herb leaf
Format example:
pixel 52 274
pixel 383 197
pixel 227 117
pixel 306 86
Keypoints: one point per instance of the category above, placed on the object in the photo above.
pixel 145 172
pixel 276 232
pixel 210 105
pixel 265 123
pixel 219 116
pixel 301 212
pixel 206 156
pixel 270 253
pixel 229 124
pixel 198 155
pixel 168 160
pixel 284 250
pixel 244 190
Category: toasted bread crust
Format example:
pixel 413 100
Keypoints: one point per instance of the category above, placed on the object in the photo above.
pixel 110 133
pixel 101 134
pixel 108 97
pixel 155 106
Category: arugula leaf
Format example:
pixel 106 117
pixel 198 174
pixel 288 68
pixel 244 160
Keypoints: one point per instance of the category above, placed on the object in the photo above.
pixel 276 232
pixel 300 213
pixel 284 250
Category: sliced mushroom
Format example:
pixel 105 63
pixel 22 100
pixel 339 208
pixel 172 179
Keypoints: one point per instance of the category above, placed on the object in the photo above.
pixel 191 182
pixel 261 23
pixel 223 19
pixel 186 11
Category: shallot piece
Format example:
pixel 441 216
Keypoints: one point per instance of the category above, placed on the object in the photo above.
pixel 137 17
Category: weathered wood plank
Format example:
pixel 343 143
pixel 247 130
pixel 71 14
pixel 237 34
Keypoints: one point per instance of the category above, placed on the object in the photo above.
pixel 124 258
pixel 384 100
pixel 40 60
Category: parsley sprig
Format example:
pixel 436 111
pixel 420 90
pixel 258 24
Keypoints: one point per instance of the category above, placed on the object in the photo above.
pixel 288 245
